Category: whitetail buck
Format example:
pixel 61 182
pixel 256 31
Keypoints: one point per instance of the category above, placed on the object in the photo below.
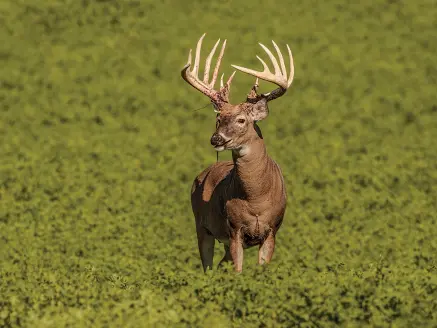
pixel 241 203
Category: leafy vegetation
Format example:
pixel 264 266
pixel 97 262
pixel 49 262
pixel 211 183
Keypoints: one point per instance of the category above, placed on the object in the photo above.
pixel 101 139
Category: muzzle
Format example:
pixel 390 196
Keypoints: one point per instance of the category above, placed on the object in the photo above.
pixel 217 140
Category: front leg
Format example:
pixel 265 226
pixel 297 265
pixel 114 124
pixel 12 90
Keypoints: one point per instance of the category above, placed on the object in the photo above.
pixel 236 249
pixel 266 249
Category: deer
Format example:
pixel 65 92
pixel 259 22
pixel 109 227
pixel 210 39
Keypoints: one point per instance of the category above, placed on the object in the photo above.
pixel 240 202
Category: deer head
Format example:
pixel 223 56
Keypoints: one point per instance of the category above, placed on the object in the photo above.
pixel 236 124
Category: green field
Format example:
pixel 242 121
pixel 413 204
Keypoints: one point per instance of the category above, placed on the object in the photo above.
pixel 101 140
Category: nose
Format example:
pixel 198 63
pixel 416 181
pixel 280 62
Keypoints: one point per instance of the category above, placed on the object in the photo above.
pixel 216 139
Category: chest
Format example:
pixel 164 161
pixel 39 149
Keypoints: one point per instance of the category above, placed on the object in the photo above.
pixel 240 212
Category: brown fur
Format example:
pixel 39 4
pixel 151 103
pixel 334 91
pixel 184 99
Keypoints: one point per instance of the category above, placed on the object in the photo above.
pixel 242 202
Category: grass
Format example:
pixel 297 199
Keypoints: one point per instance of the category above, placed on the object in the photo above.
pixel 101 139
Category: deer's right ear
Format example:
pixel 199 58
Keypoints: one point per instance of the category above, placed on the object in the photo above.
pixel 259 110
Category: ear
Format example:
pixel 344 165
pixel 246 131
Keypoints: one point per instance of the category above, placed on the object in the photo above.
pixel 259 110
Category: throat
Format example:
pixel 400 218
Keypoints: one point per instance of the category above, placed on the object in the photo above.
pixel 253 168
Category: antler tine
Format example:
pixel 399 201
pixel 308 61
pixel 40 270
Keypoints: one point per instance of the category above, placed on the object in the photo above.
pixel 279 77
pixel 217 65
pixel 266 68
pixel 272 58
pixel 228 83
pixel 230 78
pixel 291 76
pixel 197 58
pixel 208 62
pixel 281 59
pixel 189 58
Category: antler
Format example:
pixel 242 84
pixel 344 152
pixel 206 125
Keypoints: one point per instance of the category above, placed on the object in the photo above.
pixel 207 88
pixel 279 77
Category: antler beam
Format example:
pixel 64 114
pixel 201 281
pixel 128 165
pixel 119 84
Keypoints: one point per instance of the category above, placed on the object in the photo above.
pixel 279 77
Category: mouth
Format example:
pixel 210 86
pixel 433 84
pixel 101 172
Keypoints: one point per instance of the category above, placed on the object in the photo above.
pixel 222 146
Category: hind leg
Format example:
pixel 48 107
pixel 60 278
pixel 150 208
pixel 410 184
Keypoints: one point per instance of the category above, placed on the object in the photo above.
pixel 227 256
pixel 206 247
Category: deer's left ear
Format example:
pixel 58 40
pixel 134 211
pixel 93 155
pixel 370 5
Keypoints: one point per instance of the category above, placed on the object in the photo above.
pixel 259 110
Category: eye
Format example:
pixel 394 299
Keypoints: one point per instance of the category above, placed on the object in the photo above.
pixel 241 120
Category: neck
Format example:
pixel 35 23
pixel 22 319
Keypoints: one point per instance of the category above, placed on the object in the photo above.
pixel 253 167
